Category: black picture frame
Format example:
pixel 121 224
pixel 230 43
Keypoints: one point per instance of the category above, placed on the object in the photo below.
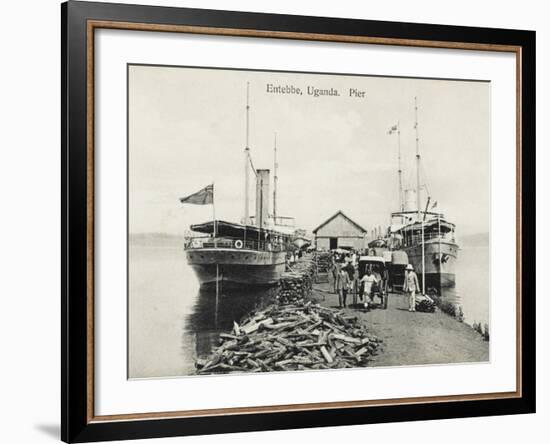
pixel 77 425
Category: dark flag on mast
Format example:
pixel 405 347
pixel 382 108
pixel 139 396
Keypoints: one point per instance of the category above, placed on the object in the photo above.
pixel 202 197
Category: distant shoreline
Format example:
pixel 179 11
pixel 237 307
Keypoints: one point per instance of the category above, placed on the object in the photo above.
pixel 156 239
pixel 474 240
pixel 471 240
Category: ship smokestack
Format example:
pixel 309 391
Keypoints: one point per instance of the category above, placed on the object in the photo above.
pixel 262 198
pixel 410 200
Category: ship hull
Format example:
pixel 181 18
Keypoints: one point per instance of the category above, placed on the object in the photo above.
pixel 236 268
pixel 440 262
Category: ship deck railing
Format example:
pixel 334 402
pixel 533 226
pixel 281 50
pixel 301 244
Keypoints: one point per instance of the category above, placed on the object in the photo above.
pixel 417 238
pixel 197 243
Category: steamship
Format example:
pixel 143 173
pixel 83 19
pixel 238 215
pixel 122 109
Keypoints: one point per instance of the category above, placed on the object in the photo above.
pixel 250 253
pixel 427 237
pixel 236 255
pixel 429 241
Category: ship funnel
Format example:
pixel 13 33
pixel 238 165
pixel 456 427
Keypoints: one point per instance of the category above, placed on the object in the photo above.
pixel 262 198
pixel 410 200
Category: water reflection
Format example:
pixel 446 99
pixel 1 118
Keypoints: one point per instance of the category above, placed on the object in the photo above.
pixel 171 322
pixel 451 294
pixel 214 313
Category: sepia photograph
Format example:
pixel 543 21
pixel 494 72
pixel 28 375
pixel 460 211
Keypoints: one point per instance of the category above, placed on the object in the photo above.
pixel 302 221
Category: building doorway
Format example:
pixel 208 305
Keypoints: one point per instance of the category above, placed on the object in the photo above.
pixel 333 243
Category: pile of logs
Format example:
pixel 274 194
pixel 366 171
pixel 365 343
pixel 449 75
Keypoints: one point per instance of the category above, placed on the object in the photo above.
pixel 424 303
pixel 297 283
pixel 296 336
pixel 294 285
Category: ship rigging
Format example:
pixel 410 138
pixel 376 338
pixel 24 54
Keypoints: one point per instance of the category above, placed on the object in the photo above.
pixel 427 237
pixel 252 252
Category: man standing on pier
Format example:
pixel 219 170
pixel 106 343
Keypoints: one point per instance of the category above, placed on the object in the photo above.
pixel 343 286
pixel 411 286
pixel 333 275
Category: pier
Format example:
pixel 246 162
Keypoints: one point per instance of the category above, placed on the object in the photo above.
pixel 297 324
pixel 413 338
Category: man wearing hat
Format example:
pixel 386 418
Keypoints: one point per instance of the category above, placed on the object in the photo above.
pixel 411 286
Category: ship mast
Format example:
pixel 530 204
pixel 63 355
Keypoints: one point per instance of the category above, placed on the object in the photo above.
pixel 275 180
pixel 246 159
pixel 417 159
pixel 399 170
pixel 393 130
pixel 418 196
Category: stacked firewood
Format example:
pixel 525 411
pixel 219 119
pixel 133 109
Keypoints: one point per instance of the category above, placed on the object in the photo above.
pixel 294 285
pixel 424 303
pixel 297 283
pixel 297 336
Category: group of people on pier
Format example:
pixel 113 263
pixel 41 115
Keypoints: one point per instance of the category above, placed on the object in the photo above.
pixel 346 282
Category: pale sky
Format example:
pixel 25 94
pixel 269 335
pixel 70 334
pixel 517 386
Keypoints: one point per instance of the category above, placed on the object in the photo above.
pixel 187 130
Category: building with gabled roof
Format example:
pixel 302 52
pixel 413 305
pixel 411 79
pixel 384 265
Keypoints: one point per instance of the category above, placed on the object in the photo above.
pixel 339 231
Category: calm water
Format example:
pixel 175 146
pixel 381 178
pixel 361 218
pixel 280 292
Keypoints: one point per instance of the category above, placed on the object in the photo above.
pixel 472 283
pixel 171 322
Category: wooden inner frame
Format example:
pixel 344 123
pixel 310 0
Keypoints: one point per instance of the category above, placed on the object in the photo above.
pixel 92 25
